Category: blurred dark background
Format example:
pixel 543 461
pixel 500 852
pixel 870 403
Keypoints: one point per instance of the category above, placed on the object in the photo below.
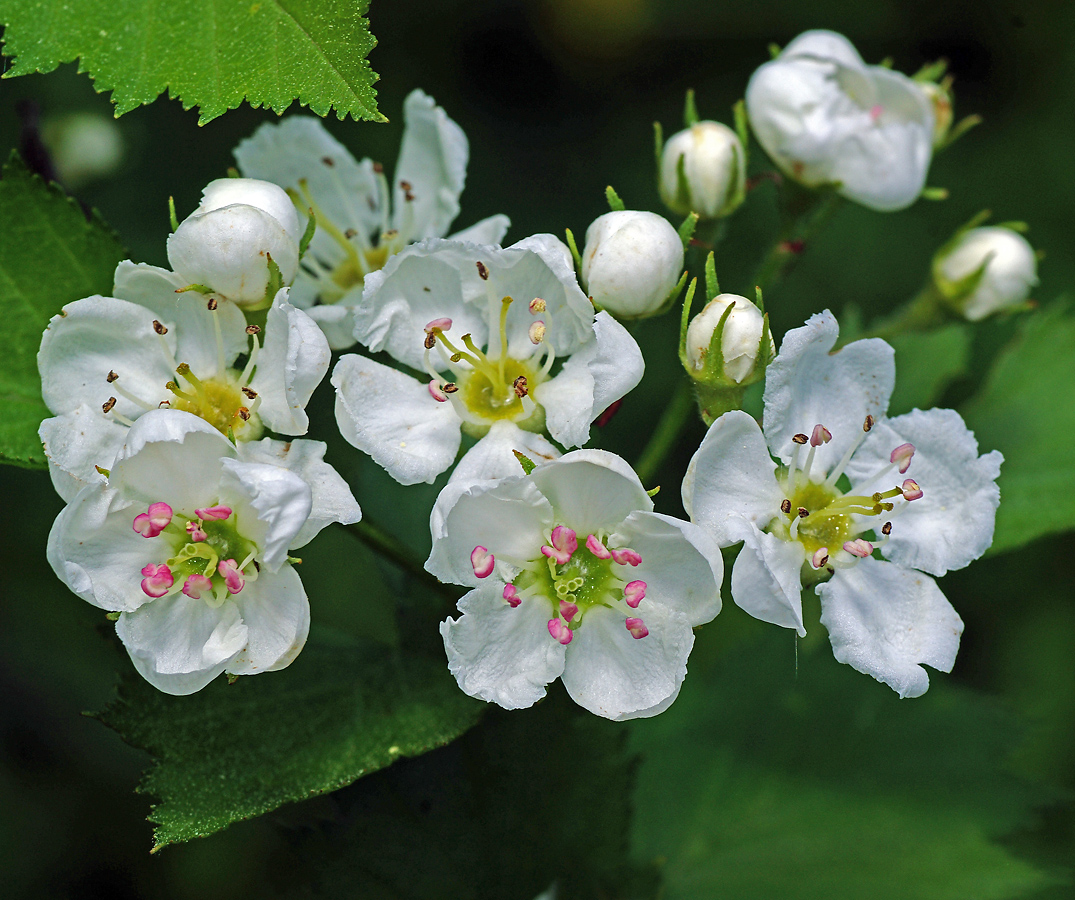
pixel 557 99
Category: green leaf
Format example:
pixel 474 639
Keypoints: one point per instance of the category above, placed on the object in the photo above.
pixel 343 709
pixel 926 363
pixel 1025 411
pixel 212 54
pixel 49 255
pixel 760 783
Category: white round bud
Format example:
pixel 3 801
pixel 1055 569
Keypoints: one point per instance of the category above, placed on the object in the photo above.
pixel 1011 270
pixel 225 243
pixel 631 262
pixel 740 342
pixel 714 170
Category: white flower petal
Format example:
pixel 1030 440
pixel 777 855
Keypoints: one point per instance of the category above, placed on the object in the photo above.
pixel 807 385
pixel 93 337
pixel 820 43
pixel 492 458
pixel 394 419
pixel 612 674
pixel 765 579
pixel 499 654
pixel 195 326
pixel 591 490
pixel 730 479
pixel 952 523
pixel 259 193
pixel 594 377
pixel 490 230
pixel 179 644
pixel 331 497
pixel 884 620
pixel 681 564
pixel 290 366
pixel 75 443
pixel 271 505
pixel 433 161
pixel 337 320
pixel 276 614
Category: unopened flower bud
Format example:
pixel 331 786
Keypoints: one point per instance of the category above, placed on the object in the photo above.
pixel 225 244
pixel 713 180
pixel 985 270
pixel 740 342
pixel 631 262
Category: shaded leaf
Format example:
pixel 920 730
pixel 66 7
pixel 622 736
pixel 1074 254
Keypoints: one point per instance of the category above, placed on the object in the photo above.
pixel 212 54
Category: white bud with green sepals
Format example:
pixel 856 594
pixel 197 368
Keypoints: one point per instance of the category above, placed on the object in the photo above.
pixel 703 170
pixel 985 270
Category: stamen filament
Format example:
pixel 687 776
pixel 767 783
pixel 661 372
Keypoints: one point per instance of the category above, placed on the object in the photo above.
pixel 221 365
pixel 134 398
pixel 251 364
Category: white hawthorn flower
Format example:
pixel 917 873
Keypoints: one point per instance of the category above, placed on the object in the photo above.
pixel 574 577
pixel 226 244
pixel 361 221
pixel 488 326
pixel 847 482
pixel 713 183
pixel 189 543
pixel 105 361
pixel 825 117
pixel 740 342
pixel 985 270
pixel 631 262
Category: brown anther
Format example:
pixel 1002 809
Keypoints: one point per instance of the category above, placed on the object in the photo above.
pixel 182 369
pixel 450 387
pixel 868 424
pixel 520 386
pixel 253 329
pixel 108 404
pixel 483 272
pixel 785 507
pixel 160 329
pixel 405 185
pixel 378 167
pixel 164 404
pixel 830 570
pixel 111 376
pixel 328 161
pixel 211 304
pixel 800 438
pixel 172 386
pixel 250 393
pixel 243 413
pixel 886 528
pixel 455 357
pixel 350 233
pixel 803 512
pixel 887 507
pixel 257 566
pixel 876 498
pixel 824 561
pixel 430 340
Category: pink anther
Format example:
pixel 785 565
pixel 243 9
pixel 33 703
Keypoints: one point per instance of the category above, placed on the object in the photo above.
pixel 438 325
pixel 560 631
pixel 901 456
pixel 436 393
pixel 597 548
pixel 511 594
pixel 158 579
pixel 537 305
pixel 482 561
pixel 568 610
pixel 194 529
pixel 875 111
pixel 233 578
pixel 637 628
pixel 634 592
pixel 859 548
pixel 820 557
pixel 564 543
pixel 911 490
pixel 196 585
pixel 536 332
pixel 212 513
pixel 150 524
pixel 820 435
pixel 626 557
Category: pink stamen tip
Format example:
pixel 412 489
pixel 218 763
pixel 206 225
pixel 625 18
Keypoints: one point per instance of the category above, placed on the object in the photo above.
pixel 511 594
pixel 158 579
pixel 537 305
pixel 911 490
pixel 637 628
pixel 560 631
pixel 564 538
pixel 196 585
pixel 442 324
pixel 568 610
pixel 437 393
pixel 233 578
pixel 150 524
pixel 536 332
pixel 482 561
pixel 194 529
pixel 626 557
pixel 212 513
pixel 901 456
pixel 859 548
pixel 875 111
pixel 821 557
pixel 820 435
pixel 597 548
pixel 634 593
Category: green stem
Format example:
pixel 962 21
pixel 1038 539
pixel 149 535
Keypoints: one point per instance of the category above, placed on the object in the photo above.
pixel 800 230
pixel 378 540
pixel 924 312
pixel 664 436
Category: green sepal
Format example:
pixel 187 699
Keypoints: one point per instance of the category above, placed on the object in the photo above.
pixel 574 250
pixel 199 288
pixel 934 193
pixel 713 365
pixel 525 461
pixel 112 616
pixel 714 401
pixel 308 234
pixel 658 147
pixel 690 111
pixel 759 299
pixel 653 492
pixel 683 188
pixel 233 172
pixel 686 230
pixel 614 202
pixel 887 63
pixel 272 288
pixel 774 50
pixel 931 71
pixel 171 214
pixel 1020 227
pixel 742 129
pixel 765 347
pixel 232 678
pixel 959 129
pixel 712 286
pixel 684 321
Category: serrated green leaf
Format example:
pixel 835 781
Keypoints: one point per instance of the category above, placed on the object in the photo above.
pixel 758 783
pixel 1025 411
pixel 926 363
pixel 49 255
pixel 343 709
pixel 212 54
